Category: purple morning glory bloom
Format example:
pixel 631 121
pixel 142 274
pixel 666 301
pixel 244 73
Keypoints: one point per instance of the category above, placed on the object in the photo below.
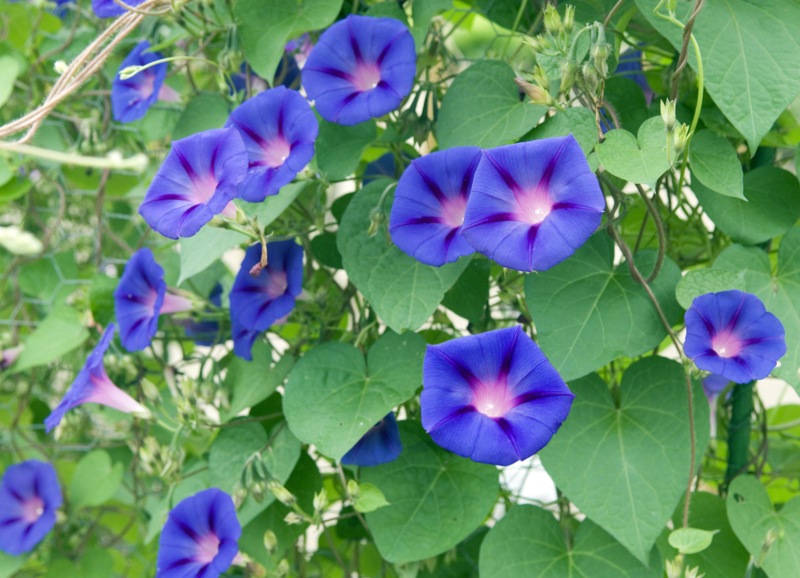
pixel 29 498
pixel 92 385
pixel 197 180
pixel 362 67
pixel 259 301
pixel 110 9
pixel 630 66
pixel 243 339
pixel 533 203
pixel 732 334
pixel 131 98
pixel 714 384
pixel 493 397
pixel 279 130
pixel 140 298
pixel 429 205
pixel 380 445
pixel 200 538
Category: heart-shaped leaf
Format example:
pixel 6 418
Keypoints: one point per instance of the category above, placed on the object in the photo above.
pixel 588 311
pixel 403 291
pixel 577 121
pixel 265 26
pixel 332 397
pixel 702 281
pixel 778 291
pixel 639 160
pixel 633 455
pixel 751 57
pixel 715 164
pixel 771 207
pixel 772 538
pixel 528 541
pixel 483 108
pixel 435 499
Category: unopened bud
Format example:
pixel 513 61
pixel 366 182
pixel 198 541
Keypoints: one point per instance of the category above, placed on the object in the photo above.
pixel 569 70
pixel 599 53
pixel 60 67
pixel 590 77
pixel 535 93
pixel 270 541
pixel 672 5
pixel 282 569
pixel 320 501
pixel 540 78
pixel 239 496
pixel 293 518
pixel 675 567
pixel 283 495
pixel 352 490
pixel 129 71
pixel 257 490
pixel 149 389
pixel 668 114
pixel 376 219
pixel 680 137
pixel 693 573
pixel 569 18
pixel 552 20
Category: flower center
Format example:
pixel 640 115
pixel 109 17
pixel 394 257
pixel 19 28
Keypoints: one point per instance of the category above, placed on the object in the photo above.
pixel 493 399
pixel 534 206
pixel 146 85
pixel 453 210
pixel 207 548
pixel 276 284
pixel 204 189
pixel 32 509
pixel 726 344
pixel 275 152
pixel 366 76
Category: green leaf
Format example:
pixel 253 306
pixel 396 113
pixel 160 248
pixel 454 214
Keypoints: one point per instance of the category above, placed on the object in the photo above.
pixel 370 498
pixel 403 291
pixel 726 556
pixel 201 250
pixel 95 480
pixel 470 294
pixel 10 564
pixel 435 499
pixel 251 382
pixel 588 311
pixel 14 189
pixel 9 70
pixel 482 108
pixel 6 171
pixel 355 395
pixel 268 210
pixel 714 163
pixel 773 207
pixel 702 281
pixel 780 292
pixel 528 541
pixel 772 538
pixel 339 147
pixel 205 111
pixel 577 121
pixel 265 26
pixel 325 251
pixel 59 333
pixel 627 98
pixel 691 540
pixel 640 160
pixel 101 298
pixel 751 57
pixel 422 12
pixel 633 454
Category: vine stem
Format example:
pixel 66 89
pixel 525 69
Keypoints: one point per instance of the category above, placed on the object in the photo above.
pixel 137 163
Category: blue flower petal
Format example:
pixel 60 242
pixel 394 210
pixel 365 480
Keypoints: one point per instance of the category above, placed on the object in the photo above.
pixel 131 98
pixel 138 299
pixel 380 445
pixel 110 9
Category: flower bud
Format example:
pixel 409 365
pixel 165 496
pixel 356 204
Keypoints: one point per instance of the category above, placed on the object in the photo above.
pixel 320 500
pixel 283 495
pixel 590 77
pixel 599 53
pixel 536 93
pixel 680 137
pixel 668 115
pixel 569 18
pixel 569 70
pixel 270 541
pixel 376 219
pixel 675 567
pixel 149 389
pixel 129 72
pixel 293 518
pixel 552 20
pixel 60 67
pixel 540 78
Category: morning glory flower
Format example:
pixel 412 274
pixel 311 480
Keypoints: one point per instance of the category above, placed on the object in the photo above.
pixel 493 397
pixel 200 538
pixel 197 180
pixel 259 301
pixel 279 129
pixel 630 66
pixel 380 445
pixel 132 97
pixel 362 67
pixel 92 385
pixel 141 297
pixel 110 9
pixel 429 205
pixel 29 498
pixel 533 203
pixel 732 334
pixel 9 356
pixel 243 339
